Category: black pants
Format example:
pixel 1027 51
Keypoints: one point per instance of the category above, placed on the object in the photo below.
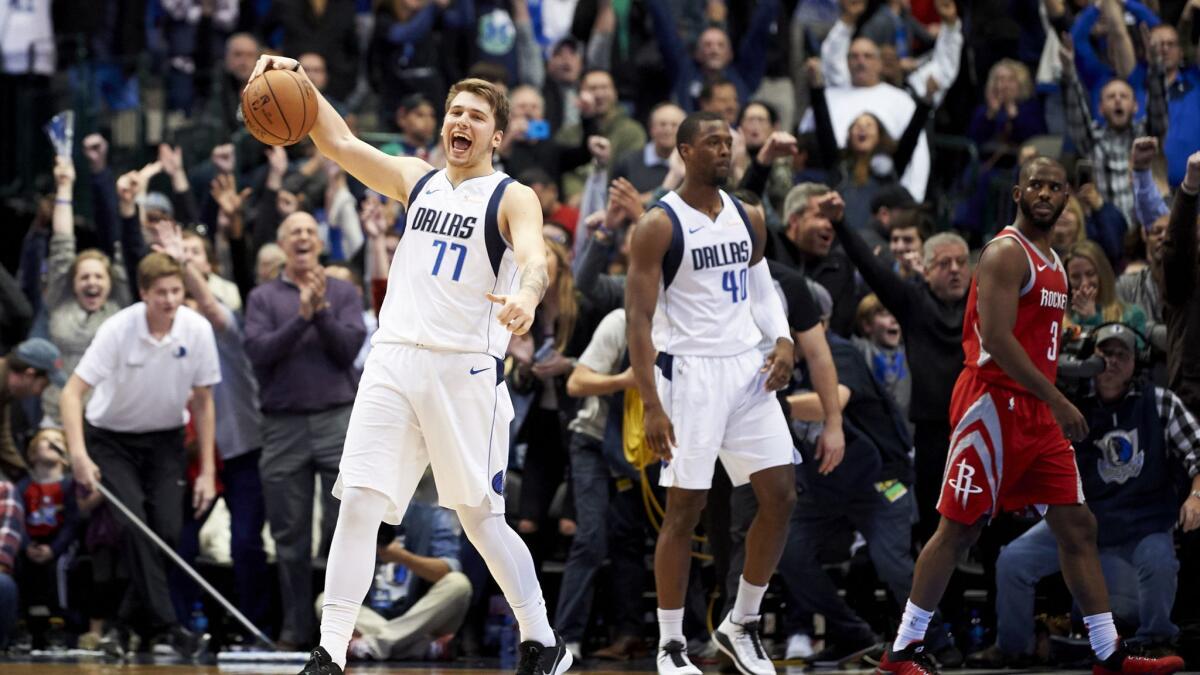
pixel 931 440
pixel 146 473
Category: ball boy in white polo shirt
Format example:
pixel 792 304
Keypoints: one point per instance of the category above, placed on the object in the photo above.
pixel 144 364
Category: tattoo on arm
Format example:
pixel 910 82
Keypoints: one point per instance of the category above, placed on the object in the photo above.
pixel 535 279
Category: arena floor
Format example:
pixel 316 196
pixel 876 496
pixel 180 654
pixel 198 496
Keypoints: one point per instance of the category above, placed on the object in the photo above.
pixel 148 668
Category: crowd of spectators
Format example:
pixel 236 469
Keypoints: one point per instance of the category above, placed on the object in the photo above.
pixel 186 321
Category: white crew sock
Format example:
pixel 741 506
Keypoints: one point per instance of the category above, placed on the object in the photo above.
pixel 912 626
pixel 670 626
pixel 511 566
pixel 749 599
pixel 350 567
pixel 1102 634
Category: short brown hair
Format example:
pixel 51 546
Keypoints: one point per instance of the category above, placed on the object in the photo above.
pixel 157 266
pixel 90 254
pixel 487 91
pixel 868 308
pixel 209 253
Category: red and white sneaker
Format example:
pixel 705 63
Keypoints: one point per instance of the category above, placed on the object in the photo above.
pixel 1124 663
pixel 912 660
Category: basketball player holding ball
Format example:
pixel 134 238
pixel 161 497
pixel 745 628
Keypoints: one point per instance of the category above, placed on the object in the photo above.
pixel 469 271
pixel 1011 444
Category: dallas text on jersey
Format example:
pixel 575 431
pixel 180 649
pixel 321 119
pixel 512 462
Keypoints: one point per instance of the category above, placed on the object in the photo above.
pixel 446 224
pixel 719 255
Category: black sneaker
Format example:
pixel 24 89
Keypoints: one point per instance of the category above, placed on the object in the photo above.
pixel 114 643
pixel 538 659
pixel 320 663
pixel 182 643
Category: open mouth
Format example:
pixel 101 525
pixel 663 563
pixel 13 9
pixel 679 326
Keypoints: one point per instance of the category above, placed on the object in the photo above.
pixel 460 141
pixel 91 293
pixel 892 332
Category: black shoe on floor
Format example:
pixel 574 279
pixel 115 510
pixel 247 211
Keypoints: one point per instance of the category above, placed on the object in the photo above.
pixel 844 651
pixel 539 659
pixel 320 663
pixel 184 643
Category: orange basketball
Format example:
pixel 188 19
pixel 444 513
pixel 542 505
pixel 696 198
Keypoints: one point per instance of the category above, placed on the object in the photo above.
pixel 279 107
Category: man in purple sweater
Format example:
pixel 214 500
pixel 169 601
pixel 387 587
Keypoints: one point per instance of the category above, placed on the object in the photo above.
pixel 302 334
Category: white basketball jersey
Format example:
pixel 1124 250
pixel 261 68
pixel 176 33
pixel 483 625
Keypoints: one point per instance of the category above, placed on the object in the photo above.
pixel 451 254
pixel 704 297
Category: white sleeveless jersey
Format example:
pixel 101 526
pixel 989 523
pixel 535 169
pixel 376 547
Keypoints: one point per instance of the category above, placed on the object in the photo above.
pixel 451 254
pixel 704 297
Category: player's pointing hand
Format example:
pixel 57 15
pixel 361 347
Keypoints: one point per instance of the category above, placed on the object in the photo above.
pixel 516 314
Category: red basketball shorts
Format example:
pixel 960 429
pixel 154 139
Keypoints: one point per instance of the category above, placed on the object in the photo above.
pixel 1006 453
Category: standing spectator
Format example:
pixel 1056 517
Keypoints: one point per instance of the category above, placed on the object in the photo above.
pixel 144 363
pixel 191 33
pixel 527 143
pixel 1142 287
pixel 646 168
pixel 1010 114
pixel 24 373
pixel 893 25
pixel 719 95
pixel 1069 228
pixel 806 244
pixel 420 596
pixel 880 344
pixel 238 435
pixel 713 55
pixel 906 239
pixel 1102 24
pixel 405 55
pixel 561 89
pixel 326 27
pixel 12 518
pixel 872 159
pixel 82 291
pixel 602 116
pixel 1178 289
pixel 302 334
pixel 930 313
pixel 853 73
pixel 1183 100
pixel 1140 439
pixel 1108 145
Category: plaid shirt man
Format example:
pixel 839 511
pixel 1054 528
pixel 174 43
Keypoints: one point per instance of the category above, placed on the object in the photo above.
pixel 1109 148
pixel 12 519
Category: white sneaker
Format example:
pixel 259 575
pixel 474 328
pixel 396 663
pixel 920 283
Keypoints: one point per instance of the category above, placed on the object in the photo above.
pixel 799 646
pixel 741 643
pixel 673 659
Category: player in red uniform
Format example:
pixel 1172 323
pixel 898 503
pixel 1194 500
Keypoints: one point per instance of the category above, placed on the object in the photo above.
pixel 1008 450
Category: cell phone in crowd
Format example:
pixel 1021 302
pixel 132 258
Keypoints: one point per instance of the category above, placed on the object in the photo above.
pixel 1084 173
pixel 538 130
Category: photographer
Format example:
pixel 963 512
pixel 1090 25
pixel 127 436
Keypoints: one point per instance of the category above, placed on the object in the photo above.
pixel 1141 444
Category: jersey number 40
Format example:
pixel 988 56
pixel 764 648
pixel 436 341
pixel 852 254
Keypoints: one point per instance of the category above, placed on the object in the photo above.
pixel 735 284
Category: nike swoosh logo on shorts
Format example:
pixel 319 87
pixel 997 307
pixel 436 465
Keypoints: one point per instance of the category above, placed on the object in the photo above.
pixel 476 372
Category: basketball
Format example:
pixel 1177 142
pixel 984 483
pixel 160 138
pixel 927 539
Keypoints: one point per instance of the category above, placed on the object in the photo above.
pixel 279 107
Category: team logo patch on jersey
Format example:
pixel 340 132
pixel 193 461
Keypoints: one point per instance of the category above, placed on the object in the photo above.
pixel 1121 456
pixel 498 483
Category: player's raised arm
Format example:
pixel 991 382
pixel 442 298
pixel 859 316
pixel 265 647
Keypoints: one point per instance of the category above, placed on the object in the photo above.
pixel 651 239
pixel 1002 271
pixel 383 173
pixel 521 222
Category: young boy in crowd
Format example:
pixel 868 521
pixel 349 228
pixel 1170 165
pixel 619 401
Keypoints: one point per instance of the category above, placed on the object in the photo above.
pixel 879 340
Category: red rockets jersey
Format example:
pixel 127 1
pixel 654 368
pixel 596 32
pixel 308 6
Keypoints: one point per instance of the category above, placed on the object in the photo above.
pixel 1040 312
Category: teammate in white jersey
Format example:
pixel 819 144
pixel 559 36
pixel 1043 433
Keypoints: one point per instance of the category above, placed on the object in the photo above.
pixel 699 299
pixel 469 270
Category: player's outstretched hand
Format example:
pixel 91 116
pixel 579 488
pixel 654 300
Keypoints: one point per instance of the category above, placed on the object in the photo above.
pixel 1073 424
pixel 516 313
pixel 660 433
pixel 831 448
pixel 779 364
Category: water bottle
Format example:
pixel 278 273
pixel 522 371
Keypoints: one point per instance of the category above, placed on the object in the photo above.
pixel 976 633
pixel 508 642
pixel 198 623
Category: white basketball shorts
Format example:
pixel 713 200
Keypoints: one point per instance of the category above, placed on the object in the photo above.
pixel 418 407
pixel 720 408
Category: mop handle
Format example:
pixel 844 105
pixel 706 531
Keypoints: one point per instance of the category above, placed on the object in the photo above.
pixel 212 592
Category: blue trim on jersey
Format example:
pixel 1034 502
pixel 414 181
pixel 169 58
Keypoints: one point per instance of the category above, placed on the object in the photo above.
pixel 737 204
pixel 499 370
pixel 665 363
pixel 674 255
pixel 412 196
pixel 491 226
